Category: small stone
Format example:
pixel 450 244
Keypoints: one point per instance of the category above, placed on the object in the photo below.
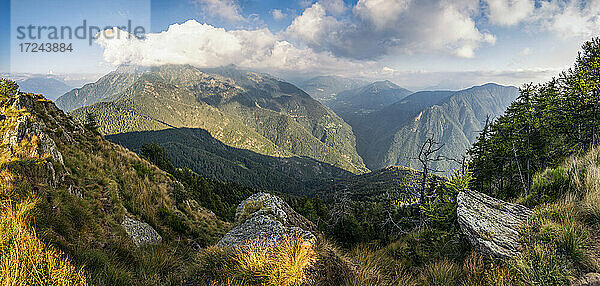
pixel 140 232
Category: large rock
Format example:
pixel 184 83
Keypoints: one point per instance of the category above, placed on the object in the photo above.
pixel 140 232
pixel 491 225
pixel 266 218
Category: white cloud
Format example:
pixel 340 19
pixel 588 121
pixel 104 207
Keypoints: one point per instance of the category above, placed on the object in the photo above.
pixel 335 7
pixel 381 12
pixel 313 26
pixel 457 31
pixel 509 12
pixel 525 52
pixel 391 27
pixel 206 46
pixel 388 71
pixel 569 18
pixel 305 3
pixel 226 9
pixel 572 18
pixel 277 14
pixel 357 43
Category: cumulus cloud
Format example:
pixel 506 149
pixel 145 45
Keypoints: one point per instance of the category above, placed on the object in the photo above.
pixel 571 18
pixel 388 27
pixel 314 26
pixel 226 9
pixel 277 14
pixel 335 7
pixel 509 12
pixel 206 46
pixel 381 12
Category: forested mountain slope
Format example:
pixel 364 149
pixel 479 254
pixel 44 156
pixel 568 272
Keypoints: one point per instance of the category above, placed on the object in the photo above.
pixel 547 123
pixel 202 153
pixel 242 109
pixel 394 135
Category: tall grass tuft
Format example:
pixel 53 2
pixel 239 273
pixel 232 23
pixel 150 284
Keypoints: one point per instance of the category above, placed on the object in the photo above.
pixel 474 269
pixel 24 259
pixel 372 267
pixel 284 263
pixel 540 265
pixel 443 272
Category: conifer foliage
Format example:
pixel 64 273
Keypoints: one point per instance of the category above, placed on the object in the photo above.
pixel 546 123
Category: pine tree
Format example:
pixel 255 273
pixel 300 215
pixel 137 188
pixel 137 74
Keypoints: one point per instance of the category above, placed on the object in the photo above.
pixel 545 124
pixel 91 123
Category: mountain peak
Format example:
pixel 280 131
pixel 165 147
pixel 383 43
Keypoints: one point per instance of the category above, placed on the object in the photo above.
pixel 384 84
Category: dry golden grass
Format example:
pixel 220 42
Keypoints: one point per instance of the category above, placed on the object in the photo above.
pixel 285 263
pixel 373 267
pixel 281 264
pixel 24 259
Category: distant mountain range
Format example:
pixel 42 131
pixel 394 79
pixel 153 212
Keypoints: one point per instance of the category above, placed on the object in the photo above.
pixel 191 111
pixel 51 88
pixel 354 104
pixel 393 135
pixel 242 109
pixel 325 88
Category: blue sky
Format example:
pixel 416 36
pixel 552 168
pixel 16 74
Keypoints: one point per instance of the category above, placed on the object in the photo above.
pixel 418 44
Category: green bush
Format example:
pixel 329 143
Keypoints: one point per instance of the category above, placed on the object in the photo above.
pixel 548 186
pixel 8 88
pixel 441 211
pixel 420 248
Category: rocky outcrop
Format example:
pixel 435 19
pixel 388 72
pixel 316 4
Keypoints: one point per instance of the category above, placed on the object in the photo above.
pixel 140 232
pixel 491 225
pixel 26 126
pixel 266 218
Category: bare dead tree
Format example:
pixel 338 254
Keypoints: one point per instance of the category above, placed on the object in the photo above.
pixel 342 207
pixel 389 217
pixel 427 156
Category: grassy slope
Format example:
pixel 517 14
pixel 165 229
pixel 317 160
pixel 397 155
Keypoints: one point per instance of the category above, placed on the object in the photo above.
pixel 80 212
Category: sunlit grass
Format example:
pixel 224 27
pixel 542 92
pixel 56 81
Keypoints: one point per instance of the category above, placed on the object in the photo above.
pixel 24 259
pixel 284 263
